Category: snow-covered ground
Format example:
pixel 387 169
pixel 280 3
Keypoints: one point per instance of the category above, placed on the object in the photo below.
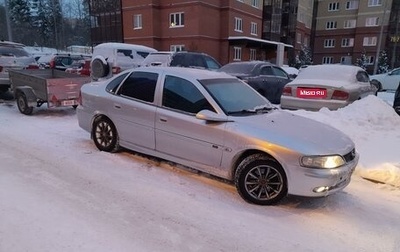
pixel 59 193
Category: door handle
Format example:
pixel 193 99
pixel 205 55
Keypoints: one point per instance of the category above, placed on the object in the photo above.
pixel 163 119
pixel 117 106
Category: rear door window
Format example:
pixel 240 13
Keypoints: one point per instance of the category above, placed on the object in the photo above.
pixel 140 86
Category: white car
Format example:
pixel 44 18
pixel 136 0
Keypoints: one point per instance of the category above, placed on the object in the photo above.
pixel 386 81
pixel 109 59
pixel 330 86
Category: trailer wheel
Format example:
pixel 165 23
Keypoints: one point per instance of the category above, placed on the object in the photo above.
pixel 22 104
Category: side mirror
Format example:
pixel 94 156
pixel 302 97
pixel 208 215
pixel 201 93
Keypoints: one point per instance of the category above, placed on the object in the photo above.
pixel 208 115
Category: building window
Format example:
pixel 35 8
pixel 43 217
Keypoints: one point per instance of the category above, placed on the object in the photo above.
pixel 253 28
pixel 329 43
pixel 305 42
pixel 331 25
pixel 350 24
pixel 298 38
pixel 352 5
pixel 347 42
pixel 255 3
pixel 333 6
pixel 369 41
pixel 327 60
pixel 137 21
pixel 370 60
pixel 253 54
pixel 177 48
pixel 237 53
pixel 238 24
pixel 177 19
pixel 372 21
pixel 372 3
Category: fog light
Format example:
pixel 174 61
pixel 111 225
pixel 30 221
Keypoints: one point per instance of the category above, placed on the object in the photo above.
pixel 320 189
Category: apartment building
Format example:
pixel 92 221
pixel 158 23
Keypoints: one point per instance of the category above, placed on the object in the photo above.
pixel 346 29
pixel 228 30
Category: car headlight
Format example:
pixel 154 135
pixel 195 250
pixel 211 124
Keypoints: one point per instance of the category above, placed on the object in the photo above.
pixel 327 162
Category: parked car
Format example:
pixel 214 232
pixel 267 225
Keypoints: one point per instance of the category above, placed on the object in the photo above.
pixel 13 56
pixel 81 67
pixel 396 101
pixel 330 86
pixel 181 59
pixel 291 71
pixel 215 123
pixel 61 61
pixel 267 78
pixel 386 81
pixel 109 59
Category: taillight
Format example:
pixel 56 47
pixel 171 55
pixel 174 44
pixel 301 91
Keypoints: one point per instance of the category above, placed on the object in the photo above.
pixel 80 98
pixel 116 70
pixel 340 95
pixel 33 66
pixel 287 91
pixel 52 64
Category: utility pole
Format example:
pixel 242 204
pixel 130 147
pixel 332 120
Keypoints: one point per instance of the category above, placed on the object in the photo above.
pixel 9 32
pixel 378 49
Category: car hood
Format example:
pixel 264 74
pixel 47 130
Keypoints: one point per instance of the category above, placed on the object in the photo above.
pixel 377 76
pixel 294 132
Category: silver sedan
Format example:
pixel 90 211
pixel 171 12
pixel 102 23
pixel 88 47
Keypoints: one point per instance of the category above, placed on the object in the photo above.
pixel 329 86
pixel 217 124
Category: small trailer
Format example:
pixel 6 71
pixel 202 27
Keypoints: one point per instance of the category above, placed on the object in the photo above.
pixel 33 87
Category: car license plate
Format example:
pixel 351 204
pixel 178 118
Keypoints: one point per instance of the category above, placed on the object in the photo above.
pixel 68 103
pixel 311 93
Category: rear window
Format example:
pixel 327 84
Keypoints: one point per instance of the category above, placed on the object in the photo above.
pixel 237 68
pixel 6 51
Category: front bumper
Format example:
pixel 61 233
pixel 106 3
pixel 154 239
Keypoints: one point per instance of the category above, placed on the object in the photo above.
pixel 289 102
pixel 311 182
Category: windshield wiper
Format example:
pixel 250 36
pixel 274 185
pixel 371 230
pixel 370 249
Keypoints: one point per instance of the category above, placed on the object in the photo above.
pixel 258 110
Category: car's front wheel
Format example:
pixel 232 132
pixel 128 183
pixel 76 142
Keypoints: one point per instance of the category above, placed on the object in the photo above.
pixel 259 179
pixel 104 135
pixel 377 85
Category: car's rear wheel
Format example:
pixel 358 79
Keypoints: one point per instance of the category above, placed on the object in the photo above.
pixel 259 179
pixel 22 104
pixel 104 135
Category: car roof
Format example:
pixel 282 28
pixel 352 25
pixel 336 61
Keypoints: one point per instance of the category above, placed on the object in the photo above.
pixel 190 73
pixel 115 45
pixel 251 63
pixel 10 43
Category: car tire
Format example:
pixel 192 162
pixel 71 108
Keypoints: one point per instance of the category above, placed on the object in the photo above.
pixel 104 135
pixel 22 104
pixel 99 69
pixel 260 180
pixel 377 84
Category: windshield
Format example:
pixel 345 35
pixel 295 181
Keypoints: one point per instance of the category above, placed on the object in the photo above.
pixel 152 58
pixel 7 51
pixel 235 96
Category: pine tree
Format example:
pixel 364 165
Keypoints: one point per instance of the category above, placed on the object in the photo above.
pixel 362 61
pixel 383 66
pixel 305 56
pixel 20 18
